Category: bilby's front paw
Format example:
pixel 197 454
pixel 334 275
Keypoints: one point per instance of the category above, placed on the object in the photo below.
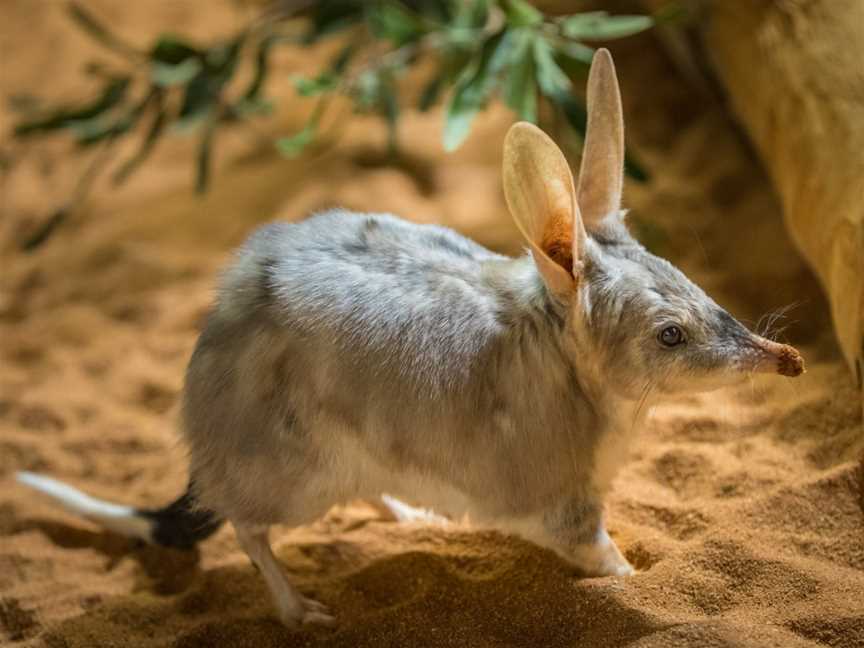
pixel 601 558
pixel 301 611
pixel 617 567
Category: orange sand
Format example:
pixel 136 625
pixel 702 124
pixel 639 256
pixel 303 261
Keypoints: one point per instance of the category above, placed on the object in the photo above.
pixel 739 508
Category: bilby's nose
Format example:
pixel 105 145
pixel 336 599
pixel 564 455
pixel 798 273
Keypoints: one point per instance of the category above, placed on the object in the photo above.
pixel 777 358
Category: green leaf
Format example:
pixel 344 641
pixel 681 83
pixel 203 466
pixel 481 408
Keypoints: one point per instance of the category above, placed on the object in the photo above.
pixel 247 107
pixel 473 89
pixel 294 145
pixel 113 93
pixel 98 31
pixel 173 50
pixel 465 26
pixel 91 131
pixel 460 115
pixel 109 126
pixel 322 84
pixel 431 92
pixel 525 103
pixel 599 25
pixel 471 14
pixel 332 16
pixel 328 80
pixel 222 58
pixel 203 92
pixel 166 75
pixel 367 90
pixel 391 21
pixel 521 14
pixel 520 92
pixel 498 49
pixel 550 77
pixel 574 57
pixel 199 99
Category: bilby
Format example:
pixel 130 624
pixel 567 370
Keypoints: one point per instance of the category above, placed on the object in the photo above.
pixel 354 354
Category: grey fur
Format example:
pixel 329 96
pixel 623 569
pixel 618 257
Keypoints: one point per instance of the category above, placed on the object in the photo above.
pixel 329 374
pixel 352 354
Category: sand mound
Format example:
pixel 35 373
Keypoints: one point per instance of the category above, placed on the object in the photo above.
pixel 740 508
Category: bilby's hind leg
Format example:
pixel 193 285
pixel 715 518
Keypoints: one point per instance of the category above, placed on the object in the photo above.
pixel 292 607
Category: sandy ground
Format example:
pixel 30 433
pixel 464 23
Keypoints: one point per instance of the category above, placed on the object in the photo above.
pixel 739 508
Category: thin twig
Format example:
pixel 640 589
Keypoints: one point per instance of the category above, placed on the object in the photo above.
pixel 82 189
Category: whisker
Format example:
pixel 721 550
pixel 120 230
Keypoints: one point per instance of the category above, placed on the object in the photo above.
pixel 699 243
pixel 765 322
pixel 757 328
pixel 643 398
pixel 768 321
pixel 780 330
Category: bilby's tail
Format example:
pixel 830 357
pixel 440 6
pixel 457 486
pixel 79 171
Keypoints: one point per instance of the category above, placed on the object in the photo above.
pixel 181 524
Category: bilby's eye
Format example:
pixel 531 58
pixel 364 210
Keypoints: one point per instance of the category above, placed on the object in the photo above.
pixel 671 336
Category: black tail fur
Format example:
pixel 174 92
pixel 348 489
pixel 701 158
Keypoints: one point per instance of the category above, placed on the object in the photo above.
pixel 182 524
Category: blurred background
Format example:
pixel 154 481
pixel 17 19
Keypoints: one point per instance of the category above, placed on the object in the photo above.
pixel 143 141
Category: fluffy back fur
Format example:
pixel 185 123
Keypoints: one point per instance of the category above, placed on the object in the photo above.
pixel 355 354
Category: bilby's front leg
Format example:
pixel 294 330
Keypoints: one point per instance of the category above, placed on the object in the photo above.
pixel 575 529
pixel 292 607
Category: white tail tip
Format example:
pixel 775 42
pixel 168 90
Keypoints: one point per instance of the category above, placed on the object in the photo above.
pixel 124 520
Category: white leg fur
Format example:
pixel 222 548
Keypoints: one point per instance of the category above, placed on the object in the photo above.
pixel 601 557
pixel 292 607
pixel 399 511
pixel 575 528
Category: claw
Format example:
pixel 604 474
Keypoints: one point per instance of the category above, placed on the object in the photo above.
pixel 314 606
pixel 319 618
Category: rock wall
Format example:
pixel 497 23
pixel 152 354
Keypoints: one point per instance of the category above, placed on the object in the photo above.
pixel 794 72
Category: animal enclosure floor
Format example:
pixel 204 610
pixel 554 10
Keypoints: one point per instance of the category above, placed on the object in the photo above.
pixel 740 508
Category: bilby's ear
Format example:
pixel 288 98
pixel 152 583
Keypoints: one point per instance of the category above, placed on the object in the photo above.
pixel 539 189
pixel 601 175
